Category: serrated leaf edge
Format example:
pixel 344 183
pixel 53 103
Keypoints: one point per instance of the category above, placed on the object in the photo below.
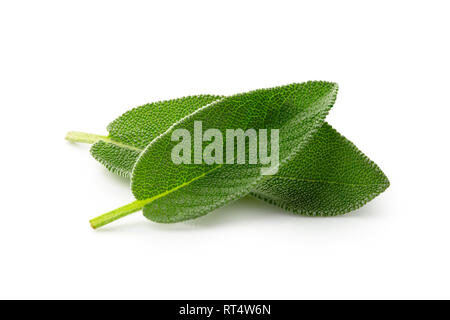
pixel 382 187
pixel 333 93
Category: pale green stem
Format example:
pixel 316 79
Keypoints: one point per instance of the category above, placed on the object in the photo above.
pixel 137 205
pixel 117 213
pixel 82 137
pixel 76 136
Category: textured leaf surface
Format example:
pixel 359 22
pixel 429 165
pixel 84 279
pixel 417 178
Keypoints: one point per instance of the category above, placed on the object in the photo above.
pixel 116 158
pixel 180 192
pixel 329 177
pixel 130 133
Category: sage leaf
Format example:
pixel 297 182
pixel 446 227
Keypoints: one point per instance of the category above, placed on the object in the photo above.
pixel 170 193
pixel 130 133
pixel 309 183
pixel 329 177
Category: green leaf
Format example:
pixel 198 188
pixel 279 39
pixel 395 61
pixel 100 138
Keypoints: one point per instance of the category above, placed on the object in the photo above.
pixel 118 159
pixel 329 177
pixel 310 184
pixel 130 133
pixel 139 126
pixel 173 193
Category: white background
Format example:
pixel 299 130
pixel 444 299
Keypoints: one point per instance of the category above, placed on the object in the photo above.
pixel 76 65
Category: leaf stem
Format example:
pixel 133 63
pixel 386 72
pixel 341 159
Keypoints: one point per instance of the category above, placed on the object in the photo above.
pixel 90 138
pixel 117 213
pixel 76 136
